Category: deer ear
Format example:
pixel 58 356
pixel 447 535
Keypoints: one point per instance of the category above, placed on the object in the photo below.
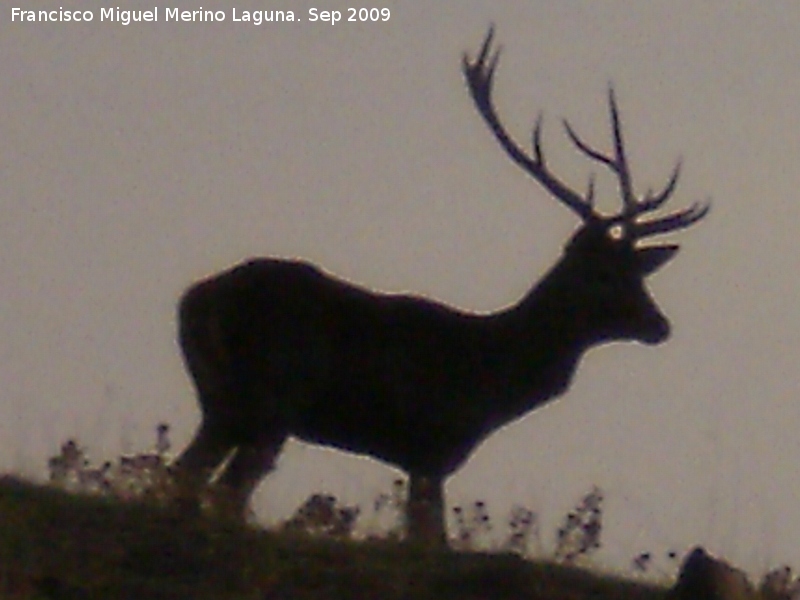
pixel 653 258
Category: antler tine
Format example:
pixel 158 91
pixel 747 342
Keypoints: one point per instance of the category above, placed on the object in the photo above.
pixel 679 220
pixel 479 75
pixel 480 63
pixel 618 163
pixel 588 199
pixel 590 191
pixel 623 171
pixel 587 149
pixel 651 203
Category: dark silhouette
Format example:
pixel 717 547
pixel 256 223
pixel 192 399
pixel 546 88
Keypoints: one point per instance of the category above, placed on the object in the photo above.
pixel 703 577
pixel 279 348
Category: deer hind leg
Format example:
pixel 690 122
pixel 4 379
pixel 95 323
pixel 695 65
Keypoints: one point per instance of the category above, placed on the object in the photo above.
pixel 425 510
pixel 251 463
pixel 194 467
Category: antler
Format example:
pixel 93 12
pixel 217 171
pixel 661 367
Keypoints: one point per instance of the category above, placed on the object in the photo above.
pixel 480 74
pixel 632 206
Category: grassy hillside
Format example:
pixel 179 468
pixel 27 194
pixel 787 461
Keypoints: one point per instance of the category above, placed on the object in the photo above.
pixel 63 546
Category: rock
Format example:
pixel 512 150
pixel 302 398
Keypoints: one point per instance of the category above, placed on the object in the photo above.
pixel 703 577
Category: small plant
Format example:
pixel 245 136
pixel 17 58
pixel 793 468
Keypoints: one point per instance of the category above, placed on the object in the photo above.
pixel 580 533
pixel 472 525
pixel 144 475
pixel 321 514
pixel 523 525
pixel 71 470
pixel 392 506
pixel 644 563
pixel 778 584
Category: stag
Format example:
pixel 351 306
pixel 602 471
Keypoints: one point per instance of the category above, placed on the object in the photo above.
pixel 279 347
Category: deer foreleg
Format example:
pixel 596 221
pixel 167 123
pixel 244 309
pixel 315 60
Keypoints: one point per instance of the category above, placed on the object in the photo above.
pixel 425 510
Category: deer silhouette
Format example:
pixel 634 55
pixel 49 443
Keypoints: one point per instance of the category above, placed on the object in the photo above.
pixel 279 347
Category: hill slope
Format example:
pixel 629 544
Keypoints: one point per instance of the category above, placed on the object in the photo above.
pixel 61 546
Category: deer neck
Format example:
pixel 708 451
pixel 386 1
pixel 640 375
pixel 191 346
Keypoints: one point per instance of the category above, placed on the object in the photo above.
pixel 538 344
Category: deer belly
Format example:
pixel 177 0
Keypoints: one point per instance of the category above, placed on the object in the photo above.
pixel 413 435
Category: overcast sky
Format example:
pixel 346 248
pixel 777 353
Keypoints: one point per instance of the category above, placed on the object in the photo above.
pixel 136 159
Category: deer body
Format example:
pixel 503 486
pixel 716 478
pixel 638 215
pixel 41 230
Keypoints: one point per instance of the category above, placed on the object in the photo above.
pixel 279 348
pixel 338 365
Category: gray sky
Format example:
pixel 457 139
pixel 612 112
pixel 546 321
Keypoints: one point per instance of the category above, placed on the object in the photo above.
pixel 137 159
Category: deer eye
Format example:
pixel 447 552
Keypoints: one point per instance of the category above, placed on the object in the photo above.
pixel 617 232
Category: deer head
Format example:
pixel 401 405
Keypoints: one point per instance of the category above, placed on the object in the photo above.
pixel 604 266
